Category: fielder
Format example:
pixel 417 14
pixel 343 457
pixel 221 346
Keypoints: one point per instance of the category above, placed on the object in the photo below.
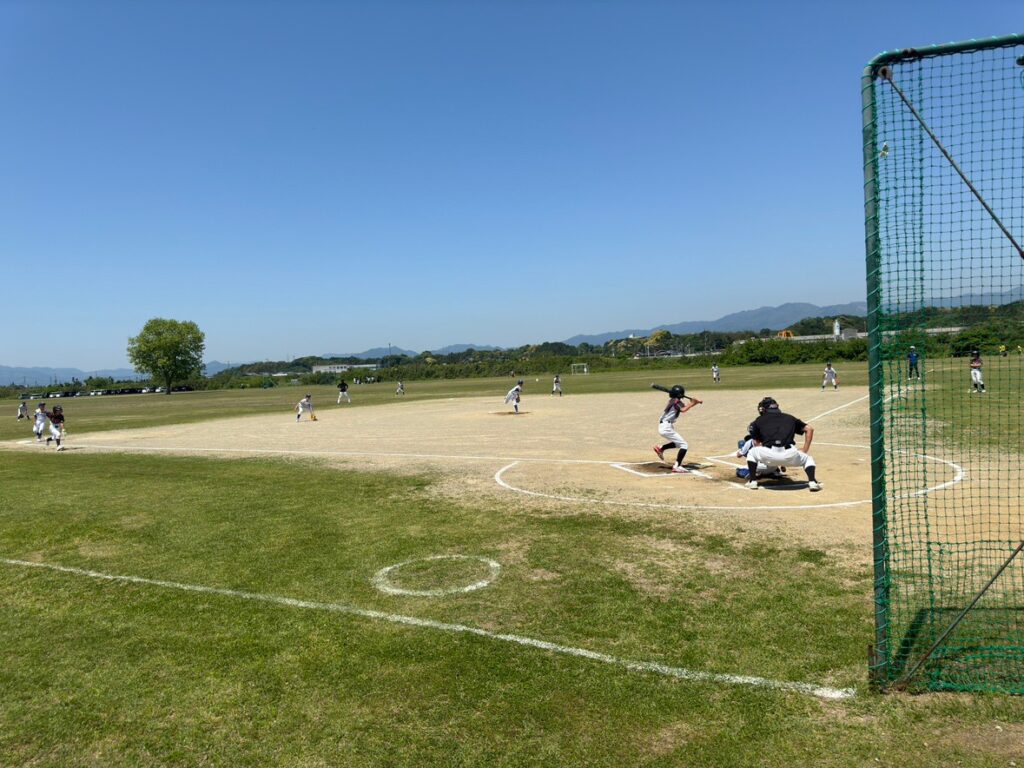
pixel 831 377
pixel 343 392
pixel 56 427
pixel 556 385
pixel 513 395
pixel 400 390
pixel 22 411
pixel 715 373
pixel 667 424
pixel 305 405
pixel 977 385
pixel 912 361
pixel 39 424
pixel 773 433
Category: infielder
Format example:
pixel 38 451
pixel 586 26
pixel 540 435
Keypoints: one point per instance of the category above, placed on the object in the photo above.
pixel 305 405
pixel 556 385
pixel 977 385
pixel 39 424
pixel 774 435
pixel 831 377
pixel 715 373
pixel 22 411
pixel 343 392
pixel 56 427
pixel 400 390
pixel 667 424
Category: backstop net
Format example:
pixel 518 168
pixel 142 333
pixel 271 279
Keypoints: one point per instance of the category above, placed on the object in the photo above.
pixel 944 214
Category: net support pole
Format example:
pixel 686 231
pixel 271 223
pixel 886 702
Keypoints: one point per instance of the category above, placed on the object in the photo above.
pixel 880 661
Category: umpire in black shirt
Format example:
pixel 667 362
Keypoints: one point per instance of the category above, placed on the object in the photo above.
pixel 774 434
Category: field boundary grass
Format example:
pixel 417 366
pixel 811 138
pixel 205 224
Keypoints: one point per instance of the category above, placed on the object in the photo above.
pixel 679 673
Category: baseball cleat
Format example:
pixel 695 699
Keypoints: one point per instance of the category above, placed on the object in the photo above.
pixel 680 470
pixel 814 485
pixel 658 450
pixel 752 485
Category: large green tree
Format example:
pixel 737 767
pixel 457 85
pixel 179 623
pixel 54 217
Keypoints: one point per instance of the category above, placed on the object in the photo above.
pixel 168 350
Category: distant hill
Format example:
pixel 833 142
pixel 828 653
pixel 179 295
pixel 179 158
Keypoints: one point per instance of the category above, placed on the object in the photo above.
pixel 451 349
pixel 775 318
pixel 375 353
pixel 42 376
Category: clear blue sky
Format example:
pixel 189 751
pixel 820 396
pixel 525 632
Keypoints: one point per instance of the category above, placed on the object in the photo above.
pixel 310 177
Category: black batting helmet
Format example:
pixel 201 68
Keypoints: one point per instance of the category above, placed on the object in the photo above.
pixel 678 390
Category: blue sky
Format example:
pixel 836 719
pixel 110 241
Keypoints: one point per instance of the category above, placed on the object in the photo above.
pixel 310 177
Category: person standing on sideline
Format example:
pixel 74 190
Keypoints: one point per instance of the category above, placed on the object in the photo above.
pixel 56 427
pixel 715 373
pixel 912 360
pixel 400 389
pixel 774 435
pixel 22 411
pixel 556 385
pixel 305 405
pixel 39 424
pixel 513 396
pixel 667 425
pixel 343 392
pixel 831 377
pixel 977 385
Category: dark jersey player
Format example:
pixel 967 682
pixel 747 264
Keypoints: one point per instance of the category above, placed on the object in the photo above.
pixel 56 426
pixel 774 435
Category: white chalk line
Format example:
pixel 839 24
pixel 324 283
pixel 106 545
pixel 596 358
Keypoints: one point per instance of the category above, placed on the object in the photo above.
pixel 680 673
pixel 625 467
pixel 382 579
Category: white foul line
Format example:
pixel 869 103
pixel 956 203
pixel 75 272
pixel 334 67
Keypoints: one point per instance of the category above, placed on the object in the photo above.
pixel 828 413
pixel 680 673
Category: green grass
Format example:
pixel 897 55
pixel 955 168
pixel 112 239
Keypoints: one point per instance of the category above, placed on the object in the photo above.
pixel 98 673
pixel 96 414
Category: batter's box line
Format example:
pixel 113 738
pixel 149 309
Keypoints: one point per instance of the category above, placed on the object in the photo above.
pixel 625 467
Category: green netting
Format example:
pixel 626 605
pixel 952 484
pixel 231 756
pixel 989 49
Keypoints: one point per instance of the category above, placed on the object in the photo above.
pixel 946 279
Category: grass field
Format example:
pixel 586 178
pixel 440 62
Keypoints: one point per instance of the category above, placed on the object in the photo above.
pixel 249 630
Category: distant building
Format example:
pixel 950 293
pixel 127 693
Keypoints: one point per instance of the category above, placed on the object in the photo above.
pixel 342 367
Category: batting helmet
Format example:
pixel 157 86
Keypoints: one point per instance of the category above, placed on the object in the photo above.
pixel 766 403
pixel 520 382
pixel 58 409
pixel 678 390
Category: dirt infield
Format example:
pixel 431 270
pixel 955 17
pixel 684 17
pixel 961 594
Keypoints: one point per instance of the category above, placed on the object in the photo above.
pixel 588 453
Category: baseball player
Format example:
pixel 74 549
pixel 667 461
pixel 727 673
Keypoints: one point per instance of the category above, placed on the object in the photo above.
pixel 831 377
pixel 343 392
pixel 667 424
pixel 912 358
pixel 977 385
pixel 715 373
pixel 513 395
pixel 22 411
pixel 774 435
pixel 39 421
pixel 400 389
pixel 56 426
pixel 556 385
pixel 305 405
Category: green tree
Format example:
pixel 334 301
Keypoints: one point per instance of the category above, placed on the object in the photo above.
pixel 168 350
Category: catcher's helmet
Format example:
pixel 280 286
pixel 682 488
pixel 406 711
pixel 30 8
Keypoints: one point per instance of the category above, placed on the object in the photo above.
pixel 766 403
pixel 678 390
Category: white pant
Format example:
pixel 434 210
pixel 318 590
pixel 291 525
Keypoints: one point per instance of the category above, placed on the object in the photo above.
pixel 976 377
pixel 56 432
pixel 343 395
pixel 780 457
pixel 668 430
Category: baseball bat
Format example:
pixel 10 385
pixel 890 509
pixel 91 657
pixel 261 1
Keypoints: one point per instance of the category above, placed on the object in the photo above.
pixel 666 390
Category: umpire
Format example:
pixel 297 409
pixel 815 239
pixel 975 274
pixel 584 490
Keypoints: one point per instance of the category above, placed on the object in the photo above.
pixel 774 434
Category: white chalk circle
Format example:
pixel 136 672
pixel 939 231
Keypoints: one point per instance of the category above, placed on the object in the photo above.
pixel 382 579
